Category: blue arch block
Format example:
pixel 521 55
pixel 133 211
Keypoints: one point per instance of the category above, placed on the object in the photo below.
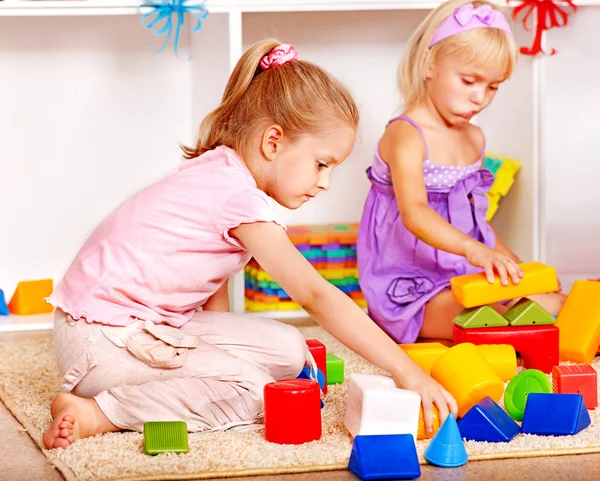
pixel 555 414
pixel 385 456
pixel 486 421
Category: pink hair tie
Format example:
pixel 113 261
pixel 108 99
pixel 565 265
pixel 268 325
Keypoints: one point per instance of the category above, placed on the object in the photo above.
pixel 469 17
pixel 278 56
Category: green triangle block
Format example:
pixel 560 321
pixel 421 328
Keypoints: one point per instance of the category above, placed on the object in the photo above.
pixel 165 436
pixel 483 316
pixel 528 313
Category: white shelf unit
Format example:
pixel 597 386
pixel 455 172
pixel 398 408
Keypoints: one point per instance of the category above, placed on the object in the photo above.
pixel 89 115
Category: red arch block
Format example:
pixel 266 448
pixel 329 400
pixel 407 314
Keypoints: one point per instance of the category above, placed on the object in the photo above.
pixel 537 345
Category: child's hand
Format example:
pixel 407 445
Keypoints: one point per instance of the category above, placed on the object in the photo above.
pixel 431 393
pixel 490 260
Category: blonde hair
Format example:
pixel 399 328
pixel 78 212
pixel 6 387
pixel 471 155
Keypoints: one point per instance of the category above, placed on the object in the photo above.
pixel 483 45
pixel 298 95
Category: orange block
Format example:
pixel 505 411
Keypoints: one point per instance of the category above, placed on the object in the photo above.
pixel 579 323
pixel 424 354
pixel 29 298
pixel 474 290
pixel 421 433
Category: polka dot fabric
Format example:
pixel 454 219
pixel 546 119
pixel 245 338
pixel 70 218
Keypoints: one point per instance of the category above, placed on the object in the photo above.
pixel 438 176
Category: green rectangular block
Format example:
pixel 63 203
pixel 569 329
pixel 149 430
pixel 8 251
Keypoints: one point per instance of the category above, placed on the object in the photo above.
pixel 335 369
pixel 165 436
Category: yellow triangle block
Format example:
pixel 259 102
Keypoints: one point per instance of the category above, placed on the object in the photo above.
pixel 474 290
pixel 29 298
pixel 579 323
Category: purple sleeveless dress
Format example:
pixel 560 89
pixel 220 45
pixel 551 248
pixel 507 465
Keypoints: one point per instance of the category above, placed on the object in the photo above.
pixel 399 273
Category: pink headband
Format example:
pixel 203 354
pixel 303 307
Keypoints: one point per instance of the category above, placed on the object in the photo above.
pixel 278 56
pixel 469 17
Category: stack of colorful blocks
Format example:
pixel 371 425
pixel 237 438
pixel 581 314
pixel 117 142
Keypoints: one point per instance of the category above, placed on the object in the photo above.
pixel 331 249
pixel 504 171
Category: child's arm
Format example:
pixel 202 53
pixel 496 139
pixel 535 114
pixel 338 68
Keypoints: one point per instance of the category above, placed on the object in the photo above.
pixel 403 150
pixel 338 314
pixel 219 301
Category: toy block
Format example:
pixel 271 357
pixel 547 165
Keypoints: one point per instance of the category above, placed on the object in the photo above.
pixel 447 449
pixel 579 323
pixel 306 374
pixel 292 411
pixel 335 369
pixel 537 345
pixel 528 313
pixel 29 298
pixel 486 421
pixel 474 290
pixel 519 388
pixel 483 316
pixel 165 437
pixel 492 209
pixel 421 433
pixel 502 358
pixel 3 306
pixel 424 354
pixel 555 414
pixel 492 164
pixel 319 353
pixel 580 379
pixel 376 406
pixel 465 374
pixel 389 456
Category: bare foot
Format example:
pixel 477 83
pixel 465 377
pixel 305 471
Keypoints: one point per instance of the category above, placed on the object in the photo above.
pixel 74 418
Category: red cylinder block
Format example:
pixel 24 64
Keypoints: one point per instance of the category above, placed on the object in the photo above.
pixel 292 411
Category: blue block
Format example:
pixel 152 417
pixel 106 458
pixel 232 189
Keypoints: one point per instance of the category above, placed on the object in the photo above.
pixel 487 421
pixel 3 307
pixel 305 374
pixel 385 456
pixel 555 414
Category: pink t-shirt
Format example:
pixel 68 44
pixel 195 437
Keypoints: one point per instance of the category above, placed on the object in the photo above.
pixel 163 252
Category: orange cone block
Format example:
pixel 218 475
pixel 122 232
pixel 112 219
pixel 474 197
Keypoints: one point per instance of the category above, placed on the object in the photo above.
pixel 29 298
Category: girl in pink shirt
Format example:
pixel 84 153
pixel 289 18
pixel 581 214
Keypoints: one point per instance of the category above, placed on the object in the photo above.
pixel 131 341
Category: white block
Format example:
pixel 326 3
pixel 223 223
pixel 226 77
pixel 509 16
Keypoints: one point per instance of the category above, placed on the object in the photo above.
pixel 376 406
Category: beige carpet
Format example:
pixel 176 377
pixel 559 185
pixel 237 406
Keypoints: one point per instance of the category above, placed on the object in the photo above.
pixel 29 380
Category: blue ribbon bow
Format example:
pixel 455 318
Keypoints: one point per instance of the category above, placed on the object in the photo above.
pixel 159 20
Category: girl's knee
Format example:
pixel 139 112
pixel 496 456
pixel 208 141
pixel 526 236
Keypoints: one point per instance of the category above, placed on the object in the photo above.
pixel 293 349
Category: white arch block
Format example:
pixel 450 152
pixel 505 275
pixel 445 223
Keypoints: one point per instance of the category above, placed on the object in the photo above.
pixel 376 406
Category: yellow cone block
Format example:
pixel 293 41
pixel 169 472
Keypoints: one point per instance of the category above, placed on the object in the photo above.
pixel 474 290
pixel 29 298
pixel 579 323
pixel 465 374
pixel 424 354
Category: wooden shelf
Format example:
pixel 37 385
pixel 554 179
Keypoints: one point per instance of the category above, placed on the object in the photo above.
pixel 37 322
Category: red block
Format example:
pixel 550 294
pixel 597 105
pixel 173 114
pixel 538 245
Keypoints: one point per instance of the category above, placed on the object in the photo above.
pixel 580 379
pixel 537 345
pixel 292 411
pixel 318 351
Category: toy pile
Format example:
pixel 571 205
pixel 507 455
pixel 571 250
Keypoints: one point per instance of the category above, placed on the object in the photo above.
pixel 330 248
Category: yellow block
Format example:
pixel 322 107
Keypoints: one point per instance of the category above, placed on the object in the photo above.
pixel 492 209
pixel 424 354
pixel 421 433
pixel 465 374
pixel 474 290
pixel 502 358
pixel 29 298
pixel 579 323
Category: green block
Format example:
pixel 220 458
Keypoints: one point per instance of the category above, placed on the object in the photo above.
pixel 165 436
pixel 528 313
pixel 335 369
pixel 483 316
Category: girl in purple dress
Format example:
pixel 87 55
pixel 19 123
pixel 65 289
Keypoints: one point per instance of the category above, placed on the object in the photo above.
pixel 424 219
